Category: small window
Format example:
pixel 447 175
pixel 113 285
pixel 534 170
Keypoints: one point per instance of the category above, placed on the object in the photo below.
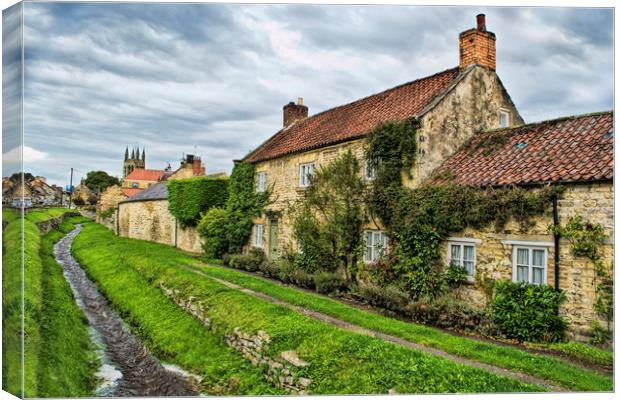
pixel 306 171
pixel 261 182
pixel 463 255
pixel 375 245
pixel 369 172
pixel 529 265
pixel 259 231
pixel 504 119
pixel 134 185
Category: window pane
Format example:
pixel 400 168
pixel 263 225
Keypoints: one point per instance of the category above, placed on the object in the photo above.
pixel 455 251
pixel 468 253
pixel 538 258
pixel 523 256
pixel 538 277
pixel 469 267
pixel 522 274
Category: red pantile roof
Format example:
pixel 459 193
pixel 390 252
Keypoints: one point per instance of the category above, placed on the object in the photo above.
pixel 577 148
pixel 130 191
pixel 140 174
pixel 355 119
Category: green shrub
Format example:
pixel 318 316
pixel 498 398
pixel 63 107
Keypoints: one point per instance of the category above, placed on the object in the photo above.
pixel 270 269
pixel 330 282
pixel 527 312
pixel 454 276
pixel 447 311
pixel 189 198
pixel 299 277
pixel 250 262
pixel 211 229
pixel 390 297
pixel 226 259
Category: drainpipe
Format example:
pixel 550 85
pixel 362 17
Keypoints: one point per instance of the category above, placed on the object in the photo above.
pixel 556 241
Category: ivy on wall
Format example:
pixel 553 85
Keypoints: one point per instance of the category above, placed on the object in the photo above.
pixel 586 239
pixel 189 198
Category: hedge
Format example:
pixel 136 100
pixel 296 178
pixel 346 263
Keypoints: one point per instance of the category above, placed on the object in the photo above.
pixel 189 198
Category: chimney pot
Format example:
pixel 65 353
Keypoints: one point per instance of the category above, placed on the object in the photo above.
pixel 481 22
pixel 300 101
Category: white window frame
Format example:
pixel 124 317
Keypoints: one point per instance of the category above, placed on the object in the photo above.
pixel 375 250
pixel 261 181
pixel 259 232
pixel 304 175
pixel 369 173
pixel 530 247
pixel 504 112
pixel 462 242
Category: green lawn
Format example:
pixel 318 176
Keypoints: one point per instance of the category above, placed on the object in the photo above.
pixel 129 271
pixel 9 215
pixel 43 214
pixel 563 373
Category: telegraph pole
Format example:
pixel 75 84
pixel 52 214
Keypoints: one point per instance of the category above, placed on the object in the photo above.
pixel 71 188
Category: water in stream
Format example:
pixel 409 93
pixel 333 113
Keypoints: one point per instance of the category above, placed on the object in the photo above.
pixel 128 368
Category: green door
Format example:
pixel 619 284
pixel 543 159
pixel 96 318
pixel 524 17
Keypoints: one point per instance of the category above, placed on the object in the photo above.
pixel 273 238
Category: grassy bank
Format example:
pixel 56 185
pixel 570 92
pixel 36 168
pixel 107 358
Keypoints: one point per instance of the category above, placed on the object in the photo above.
pixel 549 368
pixel 67 357
pixel 169 332
pixel 339 361
pixel 12 308
pixel 43 214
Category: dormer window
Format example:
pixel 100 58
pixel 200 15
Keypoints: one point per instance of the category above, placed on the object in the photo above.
pixel 504 119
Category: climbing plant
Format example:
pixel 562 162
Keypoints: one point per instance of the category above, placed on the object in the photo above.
pixel 243 204
pixel 418 219
pixel 329 217
pixel 586 239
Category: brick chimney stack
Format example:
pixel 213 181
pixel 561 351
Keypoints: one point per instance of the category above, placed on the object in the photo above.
pixel 477 46
pixel 293 112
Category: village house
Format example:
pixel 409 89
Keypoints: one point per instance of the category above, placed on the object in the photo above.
pixel 457 108
pixel 34 193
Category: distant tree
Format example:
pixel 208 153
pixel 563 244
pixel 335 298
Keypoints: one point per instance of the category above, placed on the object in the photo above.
pixel 17 177
pixel 98 181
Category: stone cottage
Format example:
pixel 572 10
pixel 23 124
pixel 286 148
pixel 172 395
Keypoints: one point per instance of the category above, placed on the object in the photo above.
pixel 451 105
pixel 457 108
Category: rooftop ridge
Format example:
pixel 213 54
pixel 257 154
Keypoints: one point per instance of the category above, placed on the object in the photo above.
pixel 547 121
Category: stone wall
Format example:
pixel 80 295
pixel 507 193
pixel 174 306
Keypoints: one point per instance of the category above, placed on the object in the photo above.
pixel 594 202
pixel 282 371
pixel 150 220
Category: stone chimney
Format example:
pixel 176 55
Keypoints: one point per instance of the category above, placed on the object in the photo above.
pixel 294 112
pixel 477 46
pixel 197 168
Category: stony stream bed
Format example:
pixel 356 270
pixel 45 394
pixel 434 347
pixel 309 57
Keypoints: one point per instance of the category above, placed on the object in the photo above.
pixel 128 368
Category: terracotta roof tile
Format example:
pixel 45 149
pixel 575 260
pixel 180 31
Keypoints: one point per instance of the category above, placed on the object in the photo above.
pixel 140 174
pixel 130 191
pixel 355 119
pixel 577 148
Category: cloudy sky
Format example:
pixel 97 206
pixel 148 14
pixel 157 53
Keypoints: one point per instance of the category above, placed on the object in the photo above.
pixel 174 77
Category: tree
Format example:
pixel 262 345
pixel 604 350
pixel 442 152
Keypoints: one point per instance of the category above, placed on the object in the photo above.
pixel 331 214
pixel 98 181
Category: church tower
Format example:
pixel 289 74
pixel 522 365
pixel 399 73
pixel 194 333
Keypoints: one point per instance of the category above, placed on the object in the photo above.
pixel 134 161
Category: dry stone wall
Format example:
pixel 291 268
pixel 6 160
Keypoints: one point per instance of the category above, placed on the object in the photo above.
pixel 282 371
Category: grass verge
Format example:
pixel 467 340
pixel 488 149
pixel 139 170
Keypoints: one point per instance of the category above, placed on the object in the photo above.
pixel 68 361
pixel 128 271
pixel 169 332
pixel 12 307
pixel 562 373
pixel 43 214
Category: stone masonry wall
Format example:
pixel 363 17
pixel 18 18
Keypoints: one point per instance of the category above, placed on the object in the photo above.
pixel 282 371
pixel 494 259
pixel 151 220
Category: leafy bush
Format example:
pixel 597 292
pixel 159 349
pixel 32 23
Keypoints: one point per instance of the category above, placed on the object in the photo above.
pixel 290 274
pixel 270 268
pixel 211 229
pixel 226 259
pixel 107 213
pixel 447 311
pixel 250 262
pixel 390 297
pixel 527 312
pixel 455 276
pixel 189 198
pixel 330 282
